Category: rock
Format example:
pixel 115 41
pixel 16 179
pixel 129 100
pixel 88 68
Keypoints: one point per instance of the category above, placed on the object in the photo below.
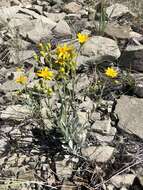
pixel 132 58
pixel 8 13
pixel 14 3
pixel 116 31
pixel 35 15
pixel 67 185
pixel 120 180
pixel 99 48
pixel 38 9
pixel 10 86
pixel 87 105
pixel 133 34
pixel 64 168
pixel 21 56
pixel 16 112
pixel 131 115
pixel 62 29
pixel 82 125
pixel 117 10
pixel 103 131
pixel 82 83
pixel 56 17
pixel 72 7
pixel 73 16
pixel 18 20
pixel 3 145
pixel 110 187
pixel 138 89
pixel 99 154
pixel 36 30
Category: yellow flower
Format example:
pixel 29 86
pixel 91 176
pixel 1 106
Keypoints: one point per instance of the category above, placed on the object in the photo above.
pixel 45 73
pixel 21 79
pixel 49 91
pixel 62 70
pixel 64 51
pixel 82 38
pixel 111 72
pixel 19 69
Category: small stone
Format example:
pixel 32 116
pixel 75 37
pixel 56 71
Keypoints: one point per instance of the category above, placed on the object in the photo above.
pixel 99 154
pixel 64 168
pixel 67 185
pixel 62 29
pixel 103 131
pixel 87 105
pixel 14 3
pixel 125 179
pixel 82 83
pixel 3 145
pixel 72 7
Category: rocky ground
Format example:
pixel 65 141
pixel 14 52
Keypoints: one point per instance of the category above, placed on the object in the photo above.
pixel 112 154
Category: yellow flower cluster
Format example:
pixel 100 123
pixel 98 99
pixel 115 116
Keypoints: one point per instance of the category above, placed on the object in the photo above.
pixel 58 63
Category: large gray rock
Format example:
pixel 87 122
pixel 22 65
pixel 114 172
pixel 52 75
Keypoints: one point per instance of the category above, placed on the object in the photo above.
pixel 36 30
pixel 99 154
pixel 130 113
pixel 117 10
pixel 8 13
pixel 62 29
pixel 116 31
pixel 16 112
pixel 98 48
pixel 132 58
pixel 138 89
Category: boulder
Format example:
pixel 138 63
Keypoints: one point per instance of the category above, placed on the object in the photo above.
pixel 130 114
pixel 132 58
pixel 117 10
pixel 116 31
pixel 36 30
pixel 138 89
pixel 99 48
pixel 16 112
pixel 62 29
